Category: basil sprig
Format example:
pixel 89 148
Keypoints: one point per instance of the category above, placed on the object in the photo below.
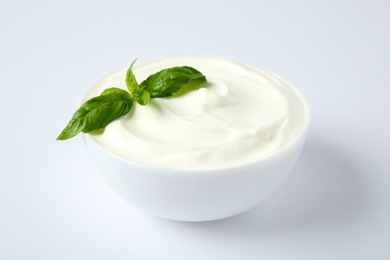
pixel 113 103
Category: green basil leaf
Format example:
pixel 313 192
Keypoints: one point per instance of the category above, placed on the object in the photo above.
pixel 143 98
pixel 139 94
pixel 168 81
pixel 98 112
pixel 131 81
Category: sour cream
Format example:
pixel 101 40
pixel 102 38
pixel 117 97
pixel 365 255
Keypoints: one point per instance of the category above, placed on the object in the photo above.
pixel 240 115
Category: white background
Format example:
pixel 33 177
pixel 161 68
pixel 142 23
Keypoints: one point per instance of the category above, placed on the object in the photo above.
pixel 334 205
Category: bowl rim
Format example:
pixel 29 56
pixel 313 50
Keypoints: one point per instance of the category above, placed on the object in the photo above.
pixel 302 134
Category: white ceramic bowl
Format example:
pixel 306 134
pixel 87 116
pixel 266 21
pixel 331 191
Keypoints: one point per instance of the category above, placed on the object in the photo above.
pixel 198 195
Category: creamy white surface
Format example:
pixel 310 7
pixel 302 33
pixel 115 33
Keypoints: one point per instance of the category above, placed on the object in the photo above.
pixel 241 114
